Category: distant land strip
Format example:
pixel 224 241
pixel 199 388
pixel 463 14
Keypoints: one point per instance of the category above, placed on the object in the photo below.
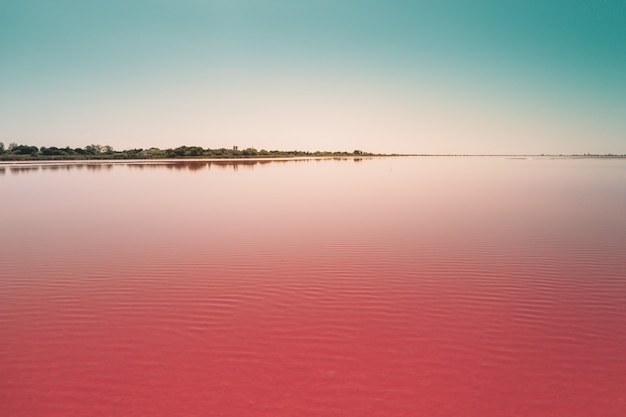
pixel 15 152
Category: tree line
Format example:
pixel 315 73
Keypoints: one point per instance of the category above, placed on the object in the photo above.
pixel 29 152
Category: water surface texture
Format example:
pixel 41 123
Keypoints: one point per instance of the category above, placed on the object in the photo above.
pixel 427 286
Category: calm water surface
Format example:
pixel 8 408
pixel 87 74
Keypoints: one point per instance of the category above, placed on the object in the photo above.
pixel 380 287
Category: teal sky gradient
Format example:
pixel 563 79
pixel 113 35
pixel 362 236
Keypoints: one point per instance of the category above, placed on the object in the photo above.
pixel 446 76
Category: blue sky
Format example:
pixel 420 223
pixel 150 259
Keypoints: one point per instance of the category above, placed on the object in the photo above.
pixel 446 76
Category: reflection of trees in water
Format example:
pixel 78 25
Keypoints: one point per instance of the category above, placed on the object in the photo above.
pixel 99 167
pixel 200 165
pixel 69 167
pixel 57 167
pixel 235 165
pixel 23 169
pixel 178 165
pixel 19 169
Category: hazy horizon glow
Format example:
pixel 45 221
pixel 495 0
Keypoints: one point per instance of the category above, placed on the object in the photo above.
pixel 394 76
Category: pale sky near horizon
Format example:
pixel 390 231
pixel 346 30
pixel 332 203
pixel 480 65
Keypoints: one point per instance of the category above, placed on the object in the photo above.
pixel 432 76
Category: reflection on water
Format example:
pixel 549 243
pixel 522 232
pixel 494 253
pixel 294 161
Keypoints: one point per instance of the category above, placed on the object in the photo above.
pixel 388 287
pixel 29 168
pixel 189 165
pixel 22 169
pixel 201 165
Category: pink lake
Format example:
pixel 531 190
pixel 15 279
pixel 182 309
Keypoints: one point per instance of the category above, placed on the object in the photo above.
pixel 408 286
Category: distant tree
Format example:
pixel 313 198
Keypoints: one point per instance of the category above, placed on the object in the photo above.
pixel 25 150
pixel 93 149
pixel 53 150
pixel 12 146
pixel 180 151
pixel 194 151
pixel 1 148
pixel 156 153
pixel 98 149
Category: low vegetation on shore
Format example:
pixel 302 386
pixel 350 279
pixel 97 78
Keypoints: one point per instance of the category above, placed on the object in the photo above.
pixel 15 152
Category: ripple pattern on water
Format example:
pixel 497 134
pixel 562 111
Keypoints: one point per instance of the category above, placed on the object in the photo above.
pixel 331 320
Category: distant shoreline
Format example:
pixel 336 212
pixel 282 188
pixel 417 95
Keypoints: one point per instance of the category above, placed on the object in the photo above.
pixel 155 161
pixel 109 158
pixel 30 153
pixel 8 160
pixel 15 152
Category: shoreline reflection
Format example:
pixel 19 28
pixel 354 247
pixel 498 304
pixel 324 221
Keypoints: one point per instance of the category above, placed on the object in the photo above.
pixel 186 165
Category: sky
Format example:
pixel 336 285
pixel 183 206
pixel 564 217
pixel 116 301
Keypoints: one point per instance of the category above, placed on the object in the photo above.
pixel 389 76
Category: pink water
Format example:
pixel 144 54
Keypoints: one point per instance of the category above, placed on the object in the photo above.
pixel 380 287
